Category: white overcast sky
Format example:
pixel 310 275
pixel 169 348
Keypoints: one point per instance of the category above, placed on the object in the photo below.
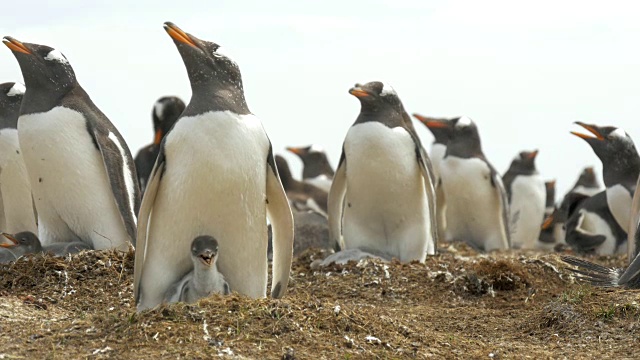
pixel 524 71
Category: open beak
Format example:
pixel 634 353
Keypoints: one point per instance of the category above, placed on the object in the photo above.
pixel 11 238
pixel 547 222
pixel 177 34
pixel 592 129
pixel 207 258
pixel 357 92
pixel 295 150
pixel 16 45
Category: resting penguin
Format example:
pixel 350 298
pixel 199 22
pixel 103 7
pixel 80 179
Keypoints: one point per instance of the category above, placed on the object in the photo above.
pixel 382 195
pixel 441 129
pixel 302 196
pixel 81 171
pixel 215 175
pixel 527 195
pixel 620 167
pixel 317 171
pixel 16 203
pixel 204 279
pixel 22 243
pixel 477 207
pixel 164 114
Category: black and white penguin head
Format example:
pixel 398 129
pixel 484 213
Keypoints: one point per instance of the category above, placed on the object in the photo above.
pixel 440 128
pixel 524 162
pixel 375 96
pixel 25 239
pixel 465 139
pixel 588 178
pixel 165 113
pixel 308 153
pixel 204 249
pixel 206 62
pixel 42 66
pixel 611 144
pixel 10 98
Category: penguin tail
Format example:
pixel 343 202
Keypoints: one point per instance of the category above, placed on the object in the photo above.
pixel 594 274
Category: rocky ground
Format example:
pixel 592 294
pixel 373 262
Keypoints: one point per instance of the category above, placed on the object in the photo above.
pixel 457 305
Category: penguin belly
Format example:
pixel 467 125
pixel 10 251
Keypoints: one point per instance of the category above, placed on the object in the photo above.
pixel 619 202
pixel 528 196
pixel 214 183
pixel 436 155
pixel 473 211
pixel 385 207
pixel 70 185
pixel 16 197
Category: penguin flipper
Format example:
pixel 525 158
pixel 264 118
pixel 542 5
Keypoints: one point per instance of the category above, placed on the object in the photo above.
pixel 335 203
pixel 281 218
pixel 426 167
pixel 580 238
pixel 496 181
pixel 143 221
pixel 593 273
pixel 121 172
pixel 633 236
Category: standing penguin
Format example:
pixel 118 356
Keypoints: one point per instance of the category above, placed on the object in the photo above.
pixel 527 195
pixel 165 113
pixel 620 167
pixel 382 196
pixel 441 129
pixel 547 240
pixel 316 168
pixel 81 171
pixel 302 195
pixel 215 175
pixel 16 202
pixel 477 205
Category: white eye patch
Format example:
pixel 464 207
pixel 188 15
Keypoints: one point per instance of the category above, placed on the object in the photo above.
pixel 222 51
pixel 16 89
pixel 56 55
pixel 157 108
pixel 463 121
pixel 387 90
pixel 619 133
pixel 316 148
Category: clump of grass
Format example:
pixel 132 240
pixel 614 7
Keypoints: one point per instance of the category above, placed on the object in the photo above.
pixel 575 296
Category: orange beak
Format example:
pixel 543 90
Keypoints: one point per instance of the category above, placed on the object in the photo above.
pixel 589 128
pixel 177 34
pixel 295 150
pixel 359 93
pixel 15 45
pixel 551 183
pixel 533 154
pixel 158 137
pixel 547 222
pixel 11 238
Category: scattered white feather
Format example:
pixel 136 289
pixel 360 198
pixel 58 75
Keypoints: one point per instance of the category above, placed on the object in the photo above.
pixel 373 339
pixel 56 55
pixel 16 89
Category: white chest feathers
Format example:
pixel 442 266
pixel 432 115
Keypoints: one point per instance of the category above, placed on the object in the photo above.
pixel 528 196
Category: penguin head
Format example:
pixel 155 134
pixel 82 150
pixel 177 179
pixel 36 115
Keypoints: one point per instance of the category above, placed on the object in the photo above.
pixel 165 113
pixel 42 66
pixel 524 162
pixel 588 178
pixel 206 62
pixel 611 144
pixel 204 249
pixel 10 98
pixel 25 239
pixel 375 96
pixel 440 128
pixel 309 153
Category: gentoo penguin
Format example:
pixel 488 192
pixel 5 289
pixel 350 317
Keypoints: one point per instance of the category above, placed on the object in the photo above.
pixel 620 167
pixel 316 168
pixel 22 243
pixel 477 205
pixel 382 196
pixel 81 171
pixel 215 175
pixel 441 129
pixel 165 113
pixel 302 195
pixel 547 240
pixel 592 228
pixel 527 195
pixel 16 203
pixel 204 279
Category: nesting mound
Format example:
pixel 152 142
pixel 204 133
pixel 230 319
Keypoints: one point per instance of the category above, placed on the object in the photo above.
pixel 456 305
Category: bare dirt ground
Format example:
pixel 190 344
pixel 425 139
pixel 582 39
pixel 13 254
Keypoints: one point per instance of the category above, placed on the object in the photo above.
pixel 459 305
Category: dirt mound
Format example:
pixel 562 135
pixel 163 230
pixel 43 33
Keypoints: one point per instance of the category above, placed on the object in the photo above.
pixel 456 305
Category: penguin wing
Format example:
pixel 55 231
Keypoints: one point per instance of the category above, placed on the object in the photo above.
pixel 120 168
pixel 507 180
pixel 496 181
pixel 426 167
pixel 633 236
pixel 579 237
pixel 335 203
pixel 281 218
pixel 143 220
pixel 144 161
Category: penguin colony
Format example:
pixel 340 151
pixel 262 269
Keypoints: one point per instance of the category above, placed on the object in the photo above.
pixel 69 183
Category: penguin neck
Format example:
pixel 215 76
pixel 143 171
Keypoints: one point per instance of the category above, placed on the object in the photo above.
pixel 382 114
pixel 465 148
pixel 287 179
pixel 316 165
pixel 214 97
pixel 205 277
pixel 42 99
pixel 624 172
